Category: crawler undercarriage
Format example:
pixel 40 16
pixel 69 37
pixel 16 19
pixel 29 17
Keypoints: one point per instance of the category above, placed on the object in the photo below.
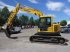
pixel 48 37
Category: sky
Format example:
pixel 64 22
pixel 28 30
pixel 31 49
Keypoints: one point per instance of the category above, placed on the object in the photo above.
pixel 59 9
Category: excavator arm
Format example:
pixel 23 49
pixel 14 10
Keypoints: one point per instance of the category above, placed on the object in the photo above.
pixel 11 16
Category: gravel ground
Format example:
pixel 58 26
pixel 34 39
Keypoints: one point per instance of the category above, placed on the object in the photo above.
pixel 22 44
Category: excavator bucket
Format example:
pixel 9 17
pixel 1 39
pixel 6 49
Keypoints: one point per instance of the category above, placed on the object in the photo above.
pixel 8 34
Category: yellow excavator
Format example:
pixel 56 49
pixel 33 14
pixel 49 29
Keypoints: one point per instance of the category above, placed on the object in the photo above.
pixel 47 31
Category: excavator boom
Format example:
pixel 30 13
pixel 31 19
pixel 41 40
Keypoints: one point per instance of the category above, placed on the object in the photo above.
pixel 31 10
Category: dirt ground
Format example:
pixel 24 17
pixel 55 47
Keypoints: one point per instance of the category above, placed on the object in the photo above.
pixel 22 44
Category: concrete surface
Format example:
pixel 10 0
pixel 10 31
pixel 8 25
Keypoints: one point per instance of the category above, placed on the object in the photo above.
pixel 22 44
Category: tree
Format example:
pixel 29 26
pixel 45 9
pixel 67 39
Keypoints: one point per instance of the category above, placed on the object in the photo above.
pixel 16 21
pixel 54 23
pixel 1 18
pixel 31 21
pixel 4 14
pixel 63 23
pixel 36 22
pixel 24 20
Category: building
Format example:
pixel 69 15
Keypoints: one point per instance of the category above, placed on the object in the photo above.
pixel 68 22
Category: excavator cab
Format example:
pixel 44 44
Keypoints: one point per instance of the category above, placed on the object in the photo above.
pixel 44 23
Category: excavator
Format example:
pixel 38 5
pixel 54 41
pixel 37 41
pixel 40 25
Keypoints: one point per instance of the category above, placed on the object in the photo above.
pixel 47 31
